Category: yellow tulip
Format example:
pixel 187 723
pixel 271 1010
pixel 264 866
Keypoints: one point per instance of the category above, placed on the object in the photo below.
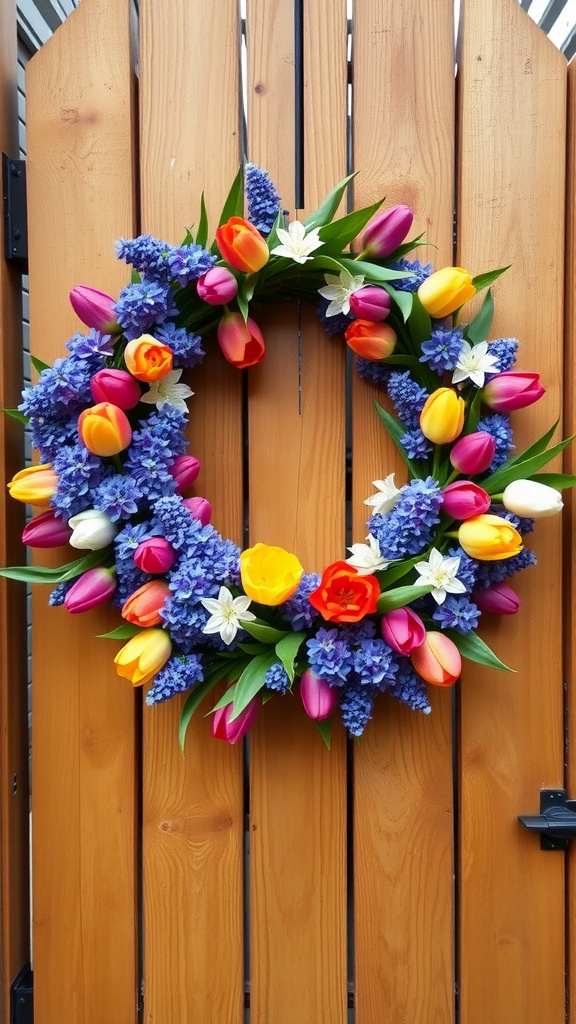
pixel 442 417
pixel 445 291
pixel 143 656
pixel 269 575
pixel 489 538
pixel 35 485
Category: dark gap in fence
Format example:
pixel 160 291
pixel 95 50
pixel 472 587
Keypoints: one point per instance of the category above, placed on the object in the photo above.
pixel 299 195
pixel 246 876
pixel 138 784
pixel 456 718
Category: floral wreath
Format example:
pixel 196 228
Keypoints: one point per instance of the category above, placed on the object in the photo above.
pixel 401 611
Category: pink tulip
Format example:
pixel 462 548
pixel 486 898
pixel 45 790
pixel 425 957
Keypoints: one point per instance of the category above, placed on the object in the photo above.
pixel 184 469
pixel 217 287
pixel 232 731
pixel 402 630
pixel 46 531
pixel 464 499
pixel 437 660
pixel 499 599
pixel 155 556
pixel 94 308
pixel 513 390
pixel 473 453
pixel 386 231
pixel 200 508
pixel 371 303
pixel 242 343
pixel 94 587
pixel 318 697
pixel 116 386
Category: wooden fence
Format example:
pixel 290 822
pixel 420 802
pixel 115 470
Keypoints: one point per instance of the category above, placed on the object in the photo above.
pixel 390 877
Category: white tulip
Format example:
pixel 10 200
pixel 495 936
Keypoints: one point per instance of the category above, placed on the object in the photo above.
pixel 531 499
pixel 92 530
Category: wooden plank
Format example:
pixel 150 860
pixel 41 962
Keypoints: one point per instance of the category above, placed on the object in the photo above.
pixel 403 103
pixel 80 122
pixel 297 461
pixel 14 904
pixel 193 807
pixel 511 210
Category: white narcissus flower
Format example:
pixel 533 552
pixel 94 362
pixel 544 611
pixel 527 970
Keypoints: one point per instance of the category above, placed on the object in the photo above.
pixel 440 572
pixel 532 499
pixel 387 497
pixel 338 291
pixel 473 363
pixel 227 614
pixel 92 530
pixel 297 243
pixel 167 391
pixel 367 558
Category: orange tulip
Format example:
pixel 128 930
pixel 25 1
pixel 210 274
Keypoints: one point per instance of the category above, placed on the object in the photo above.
pixel 437 660
pixel 104 429
pixel 242 245
pixel 370 340
pixel 143 607
pixel 148 359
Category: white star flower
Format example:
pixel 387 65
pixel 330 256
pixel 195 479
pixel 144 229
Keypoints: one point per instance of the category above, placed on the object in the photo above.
pixel 227 614
pixel 473 363
pixel 367 558
pixel 167 391
pixel 386 499
pixel 297 243
pixel 441 572
pixel 338 291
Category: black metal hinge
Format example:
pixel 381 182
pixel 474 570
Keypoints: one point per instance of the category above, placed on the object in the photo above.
pixel 21 1006
pixel 556 822
pixel 15 222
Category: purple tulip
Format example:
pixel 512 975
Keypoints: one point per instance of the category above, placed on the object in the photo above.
pixel 46 531
pixel 94 308
pixel 499 599
pixel 116 386
pixel 199 508
pixel 386 231
pixel 184 469
pixel 371 303
pixel 94 587
pixel 318 697
pixel 155 556
pixel 465 499
pixel 232 731
pixel 473 453
pixel 217 287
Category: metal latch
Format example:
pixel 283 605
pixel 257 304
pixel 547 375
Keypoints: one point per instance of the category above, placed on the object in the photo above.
pixel 556 822
pixel 15 221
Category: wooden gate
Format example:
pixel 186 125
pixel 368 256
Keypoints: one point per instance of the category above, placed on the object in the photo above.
pixel 391 877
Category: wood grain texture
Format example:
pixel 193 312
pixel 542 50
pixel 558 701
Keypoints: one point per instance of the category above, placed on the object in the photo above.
pixel 14 902
pixel 297 466
pixel 403 825
pixel 193 806
pixel 511 210
pixel 80 155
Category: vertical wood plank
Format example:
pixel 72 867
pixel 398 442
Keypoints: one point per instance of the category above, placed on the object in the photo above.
pixel 14 902
pixel 403 103
pixel 193 812
pixel 297 463
pixel 511 210
pixel 80 154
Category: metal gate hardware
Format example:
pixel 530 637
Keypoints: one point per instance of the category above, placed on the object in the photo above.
pixel 21 1007
pixel 556 822
pixel 15 222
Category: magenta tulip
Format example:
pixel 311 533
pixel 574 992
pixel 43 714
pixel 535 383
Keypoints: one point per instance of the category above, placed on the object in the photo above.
pixel 318 697
pixel 46 531
pixel 499 599
pixel 514 390
pixel 217 287
pixel 94 308
pixel 473 453
pixel 116 386
pixel 184 469
pixel 155 556
pixel 403 630
pixel 232 731
pixel 464 499
pixel 94 587
pixel 200 508
pixel 370 303
pixel 386 231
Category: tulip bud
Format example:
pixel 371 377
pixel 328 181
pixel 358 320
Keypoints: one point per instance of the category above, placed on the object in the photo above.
pixel 94 587
pixel 473 453
pixel 184 469
pixel 155 556
pixel 464 499
pixel 242 343
pixel 35 485
pixel 318 697
pixel 217 287
pixel 94 308
pixel 46 531
pixel 371 303
pixel 445 291
pixel 386 231
pixel 370 340
pixel 143 656
pixel 489 538
pixel 104 429
pixel 143 607
pixel 402 630
pixel 232 731
pixel 499 599
pixel 148 359
pixel 92 530
pixel 442 418
pixel 117 387
pixel 199 508
pixel 512 390
pixel 532 499
pixel 242 245
pixel 437 660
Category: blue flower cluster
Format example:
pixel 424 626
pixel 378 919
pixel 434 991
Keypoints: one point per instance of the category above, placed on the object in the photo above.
pixel 409 527
pixel 165 263
pixel 262 197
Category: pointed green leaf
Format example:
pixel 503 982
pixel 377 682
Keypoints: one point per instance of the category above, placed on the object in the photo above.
pixel 524 469
pixel 419 323
pixel 124 632
pixel 263 632
pixel 400 597
pixel 273 239
pixel 473 648
pixel 16 415
pixel 404 300
pixel 242 305
pixel 287 649
pixel 373 272
pixel 324 727
pixel 39 364
pixel 479 328
pixel 406 247
pixel 339 233
pixel 39 574
pixel 202 232
pixel 188 238
pixel 195 698
pixel 325 212
pixel 560 481
pixel 396 431
pixel 249 285
pixel 135 277
pixel 396 571
pixel 252 649
pixel 234 205
pixel 484 280
pixel 473 415
pixel 251 681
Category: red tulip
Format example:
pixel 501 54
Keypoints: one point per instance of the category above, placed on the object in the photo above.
pixel 117 387
pixel 242 343
pixel 155 556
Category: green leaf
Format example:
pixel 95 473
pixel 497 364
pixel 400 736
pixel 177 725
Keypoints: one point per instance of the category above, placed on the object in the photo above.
pixel 534 449
pixel 124 632
pixel 39 364
pixel 16 415
pixel 399 359
pixel 263 632
pixel 188 238
pixel 324 727
pixel 195 698
pixel 396 431
pixel 419 323
pixel 135 277
pixel 249 285
pixel 242 305
pixel 400 597
pixel 415 243
pixel 252 649
pixel 473 414
pixel 558 480
pixel 273 239
pixel 251 681
pixel 479 328
pixel 234 205
pixel 40 574
pixel 473 648
pixel 524 469
pixel 372 271
pixel 287 649
pixel 395 572
pixel 327 209
pixel 403 300
pixel 202 233
pixel 340 232
pixel 484 280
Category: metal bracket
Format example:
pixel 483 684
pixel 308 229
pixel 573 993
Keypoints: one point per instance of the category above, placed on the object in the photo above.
pixel 556 822
pixel 21 1005
pixel 15 222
